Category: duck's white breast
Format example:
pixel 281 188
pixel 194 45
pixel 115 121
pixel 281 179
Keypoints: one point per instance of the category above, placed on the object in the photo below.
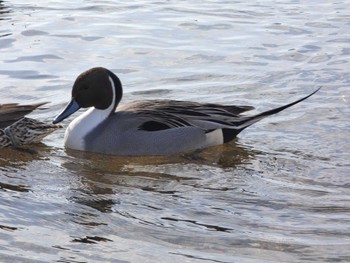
pixel 74 137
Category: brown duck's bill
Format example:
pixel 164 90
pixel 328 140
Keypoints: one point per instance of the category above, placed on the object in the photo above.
pixel 72 107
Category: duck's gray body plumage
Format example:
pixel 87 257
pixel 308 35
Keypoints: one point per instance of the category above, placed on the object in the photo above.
pixel 148 127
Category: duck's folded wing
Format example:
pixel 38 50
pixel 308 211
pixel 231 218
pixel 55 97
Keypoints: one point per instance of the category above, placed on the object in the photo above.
pixel 208 117
pixel 158 115
pixel 12 112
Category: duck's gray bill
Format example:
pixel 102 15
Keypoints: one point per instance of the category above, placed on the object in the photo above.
pixel 72 107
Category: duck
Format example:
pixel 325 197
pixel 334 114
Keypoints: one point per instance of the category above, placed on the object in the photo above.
pixel 147 127
pixel 17 130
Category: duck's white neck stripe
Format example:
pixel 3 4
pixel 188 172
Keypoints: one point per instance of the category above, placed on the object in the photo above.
pixel 86 122
pixel 112 106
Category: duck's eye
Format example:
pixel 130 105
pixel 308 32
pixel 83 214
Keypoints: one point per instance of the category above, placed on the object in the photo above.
pixel 85 87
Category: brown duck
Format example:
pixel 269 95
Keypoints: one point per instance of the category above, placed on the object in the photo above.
pixel 17 130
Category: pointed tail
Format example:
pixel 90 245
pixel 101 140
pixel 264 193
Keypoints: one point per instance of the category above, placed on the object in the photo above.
pixel 230 134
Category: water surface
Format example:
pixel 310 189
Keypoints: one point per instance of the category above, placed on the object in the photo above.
pixel 280 193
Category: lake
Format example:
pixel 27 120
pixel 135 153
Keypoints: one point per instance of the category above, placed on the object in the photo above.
pixel 279 193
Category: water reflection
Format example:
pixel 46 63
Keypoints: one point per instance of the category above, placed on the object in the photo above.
pixel 12 159
pixel 4 10
pixel 91 240
pixel 15 161
pixel 102 173
pixel 13 187
pixel 26 74
pixel 124 193
pixel 112 184
pixel 225 156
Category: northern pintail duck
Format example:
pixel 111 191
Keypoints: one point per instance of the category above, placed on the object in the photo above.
pixel 147 127
pixel 17 130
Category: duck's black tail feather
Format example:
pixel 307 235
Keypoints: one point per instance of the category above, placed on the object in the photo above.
pixel 230 134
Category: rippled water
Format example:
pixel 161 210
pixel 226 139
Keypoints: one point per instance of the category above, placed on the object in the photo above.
pixel 280 193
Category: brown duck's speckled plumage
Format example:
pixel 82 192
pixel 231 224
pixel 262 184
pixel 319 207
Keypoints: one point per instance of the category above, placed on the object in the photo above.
pixel 27 131
pixel 17 130
pixel 4 140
